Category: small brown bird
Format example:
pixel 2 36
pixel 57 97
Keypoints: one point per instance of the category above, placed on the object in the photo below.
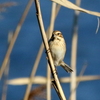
pixel 58 49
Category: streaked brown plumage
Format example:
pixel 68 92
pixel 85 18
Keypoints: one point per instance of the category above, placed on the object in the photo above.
pixel 58 49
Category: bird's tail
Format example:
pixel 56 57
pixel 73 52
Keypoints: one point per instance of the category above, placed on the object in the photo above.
pixel 66 67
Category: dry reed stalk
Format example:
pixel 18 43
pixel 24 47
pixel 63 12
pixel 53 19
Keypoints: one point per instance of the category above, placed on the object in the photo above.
pixel 74 53
pixel 18 28
pixel 6 72
pixel 39 56
pixel 48 83
pixel 33 73
pixel 73 65
pixel 50 61
pixel 80 75
pixel 51 27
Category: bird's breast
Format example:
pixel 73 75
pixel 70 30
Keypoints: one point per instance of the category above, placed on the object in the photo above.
pixel 58 49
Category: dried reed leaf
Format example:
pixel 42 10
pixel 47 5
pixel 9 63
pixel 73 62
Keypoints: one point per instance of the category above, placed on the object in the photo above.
pixel 24 81
pixel 43 80
pixel 70 5
pixel 98 25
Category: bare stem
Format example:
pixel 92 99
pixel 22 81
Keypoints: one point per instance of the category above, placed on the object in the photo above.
pixel 74 52
pixel 6 72
pixel 33 72
pixel 51 27
pixel 35 66
pixel 50 61
pixel 80 76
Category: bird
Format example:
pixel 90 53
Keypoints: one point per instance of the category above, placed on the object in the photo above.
pixel 58 49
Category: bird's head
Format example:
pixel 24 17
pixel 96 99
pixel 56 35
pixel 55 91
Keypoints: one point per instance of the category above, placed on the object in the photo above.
pixel 57 34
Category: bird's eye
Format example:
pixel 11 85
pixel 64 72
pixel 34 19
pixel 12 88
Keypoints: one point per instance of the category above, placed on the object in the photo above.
pixel 59 33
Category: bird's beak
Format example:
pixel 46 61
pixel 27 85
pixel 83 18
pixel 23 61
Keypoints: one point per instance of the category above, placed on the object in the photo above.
pixel 60 35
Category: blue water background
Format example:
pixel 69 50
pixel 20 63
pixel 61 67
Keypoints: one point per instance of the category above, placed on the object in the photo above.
pixel 29 39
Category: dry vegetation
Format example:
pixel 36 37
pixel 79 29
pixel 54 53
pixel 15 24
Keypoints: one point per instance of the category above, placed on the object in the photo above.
pixel 35 93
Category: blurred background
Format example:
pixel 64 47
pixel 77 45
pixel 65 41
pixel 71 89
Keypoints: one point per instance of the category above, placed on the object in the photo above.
pixel 28 42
